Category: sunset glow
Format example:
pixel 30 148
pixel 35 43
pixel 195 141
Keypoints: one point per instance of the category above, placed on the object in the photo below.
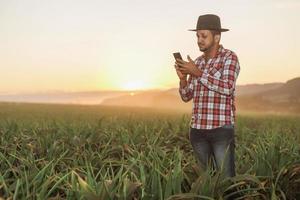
pixel 128 45
pixel 135 85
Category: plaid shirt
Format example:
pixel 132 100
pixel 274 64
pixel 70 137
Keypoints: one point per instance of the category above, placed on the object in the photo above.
pixel 213 92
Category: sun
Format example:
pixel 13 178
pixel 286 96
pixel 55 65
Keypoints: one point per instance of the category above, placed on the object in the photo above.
pixel 135 85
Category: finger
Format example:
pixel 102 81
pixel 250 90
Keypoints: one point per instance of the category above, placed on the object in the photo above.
pixel 183 65
pixel 179 73
pixel 181 61
pixel 184 71
pixel 176 66
pixel 180 64
pixel 189 59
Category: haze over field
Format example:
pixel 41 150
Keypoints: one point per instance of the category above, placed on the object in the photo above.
pixel 273 97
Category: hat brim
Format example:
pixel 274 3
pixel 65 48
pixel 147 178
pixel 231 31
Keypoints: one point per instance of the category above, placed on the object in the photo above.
pixel 221 30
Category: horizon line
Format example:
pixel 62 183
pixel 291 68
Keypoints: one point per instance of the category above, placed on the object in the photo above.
pixel 116 90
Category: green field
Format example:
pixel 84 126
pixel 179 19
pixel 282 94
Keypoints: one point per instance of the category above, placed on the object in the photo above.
pixel 94 152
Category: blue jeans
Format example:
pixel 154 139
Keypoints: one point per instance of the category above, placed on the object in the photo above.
pixel 216 147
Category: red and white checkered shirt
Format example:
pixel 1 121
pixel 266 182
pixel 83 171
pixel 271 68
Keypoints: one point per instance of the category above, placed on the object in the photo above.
pixel 213 92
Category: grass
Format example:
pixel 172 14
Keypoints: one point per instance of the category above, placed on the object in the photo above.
pixel 94 152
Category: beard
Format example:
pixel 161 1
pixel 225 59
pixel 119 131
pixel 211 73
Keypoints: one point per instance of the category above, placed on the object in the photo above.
pixel 206 48
pixel 203 49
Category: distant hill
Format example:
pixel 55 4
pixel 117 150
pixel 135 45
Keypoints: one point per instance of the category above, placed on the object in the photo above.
pixel 275 97
pixel 289 92
pixel 285 98
pixel 251 89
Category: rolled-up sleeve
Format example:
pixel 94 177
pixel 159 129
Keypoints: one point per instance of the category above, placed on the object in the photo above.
pixel 186 92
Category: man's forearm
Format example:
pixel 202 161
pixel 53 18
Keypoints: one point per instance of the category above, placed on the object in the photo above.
pixel 186 89
pixel 183 83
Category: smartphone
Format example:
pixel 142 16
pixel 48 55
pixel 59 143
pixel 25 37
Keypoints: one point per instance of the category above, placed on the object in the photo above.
pixel 177 55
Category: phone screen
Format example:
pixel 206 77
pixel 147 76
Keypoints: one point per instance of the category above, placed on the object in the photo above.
pixel 177 55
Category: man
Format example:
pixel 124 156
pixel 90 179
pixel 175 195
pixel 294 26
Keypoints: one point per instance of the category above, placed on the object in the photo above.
pixel 210 82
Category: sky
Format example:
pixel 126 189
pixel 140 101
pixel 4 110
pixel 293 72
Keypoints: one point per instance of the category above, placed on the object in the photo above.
pixel 77 45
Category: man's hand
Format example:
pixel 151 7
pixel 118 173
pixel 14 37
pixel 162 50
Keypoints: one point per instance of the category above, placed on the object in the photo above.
pixel 188 67
pixel 180 75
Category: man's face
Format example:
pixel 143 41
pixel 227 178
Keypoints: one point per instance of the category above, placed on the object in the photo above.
pixel 205 40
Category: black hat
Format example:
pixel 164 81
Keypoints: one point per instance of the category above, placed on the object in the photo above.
pixel 209 22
